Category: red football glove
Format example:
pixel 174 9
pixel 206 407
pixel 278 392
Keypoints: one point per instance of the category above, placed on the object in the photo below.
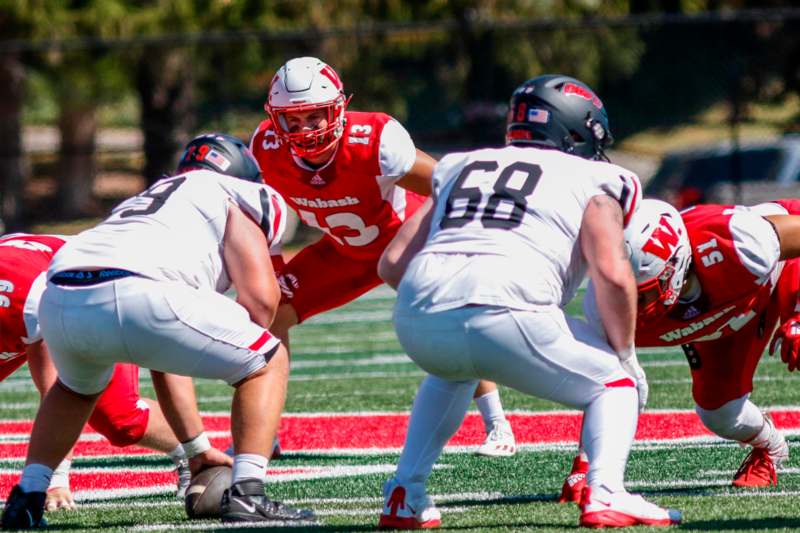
pixel 788 338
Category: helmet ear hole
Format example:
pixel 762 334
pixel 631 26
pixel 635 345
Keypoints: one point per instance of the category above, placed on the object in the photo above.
pixel 577 137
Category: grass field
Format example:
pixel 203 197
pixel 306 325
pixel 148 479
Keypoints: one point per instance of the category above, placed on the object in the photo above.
pixel 350 387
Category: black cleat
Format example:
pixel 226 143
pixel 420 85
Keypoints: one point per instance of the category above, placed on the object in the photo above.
pixel 246 501
pixel 24 510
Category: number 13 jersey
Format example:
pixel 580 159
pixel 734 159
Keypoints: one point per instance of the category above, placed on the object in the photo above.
pixel 515 214
pixel 353 197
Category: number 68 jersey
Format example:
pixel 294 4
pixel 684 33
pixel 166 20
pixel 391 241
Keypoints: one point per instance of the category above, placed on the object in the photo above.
pixel 515 213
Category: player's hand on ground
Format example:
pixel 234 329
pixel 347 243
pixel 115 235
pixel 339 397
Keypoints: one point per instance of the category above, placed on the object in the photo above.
pixel 787 341
pixel 632 367
pixel 209 458
pixel 59 498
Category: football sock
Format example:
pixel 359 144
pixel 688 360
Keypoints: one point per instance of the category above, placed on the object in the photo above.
pixel 609 424
pixel 35 478
pixel 437 413
pixel 491 409
pixel 61 475
pixel 249 466
pixel 740 420
pixel 177 454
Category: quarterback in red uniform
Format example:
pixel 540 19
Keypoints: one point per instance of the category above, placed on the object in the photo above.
pixel 121 415
pixel 356 176
pixel 716 280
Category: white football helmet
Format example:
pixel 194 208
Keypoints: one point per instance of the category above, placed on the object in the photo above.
pixel 660 254
pixel 307 84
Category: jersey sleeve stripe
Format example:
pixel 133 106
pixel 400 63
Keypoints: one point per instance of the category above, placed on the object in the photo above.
pixel 276 219
pixel 266 227
pixel 634 200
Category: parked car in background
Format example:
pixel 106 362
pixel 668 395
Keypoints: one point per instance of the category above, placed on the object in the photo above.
pixel 756 172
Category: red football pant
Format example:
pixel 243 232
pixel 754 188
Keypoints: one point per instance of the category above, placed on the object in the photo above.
pixel 121 415
pixel 319 278
pixel 727 365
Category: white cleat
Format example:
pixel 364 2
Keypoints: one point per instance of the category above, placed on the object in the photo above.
pixel 184 478
pixel 601 508
pixel 499 442
pixel 408 507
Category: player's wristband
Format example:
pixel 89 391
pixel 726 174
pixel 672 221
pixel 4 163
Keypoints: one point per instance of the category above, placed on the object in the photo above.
pixel 197 445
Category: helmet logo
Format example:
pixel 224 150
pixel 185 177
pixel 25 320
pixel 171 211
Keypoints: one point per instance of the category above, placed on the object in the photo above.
pixel 663 241
pixel 521 112
pixel 583 92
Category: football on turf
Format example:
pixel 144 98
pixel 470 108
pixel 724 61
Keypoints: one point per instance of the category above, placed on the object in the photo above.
pixel 204 494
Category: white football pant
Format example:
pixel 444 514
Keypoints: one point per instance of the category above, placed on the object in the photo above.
pixel 163 326
pixel 542 353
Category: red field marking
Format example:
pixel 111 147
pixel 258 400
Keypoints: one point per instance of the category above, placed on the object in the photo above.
pixel 112 480
pixel 379 431
pixel 356 432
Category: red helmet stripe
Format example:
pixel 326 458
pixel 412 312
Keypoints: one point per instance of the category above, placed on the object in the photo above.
pixel 329 73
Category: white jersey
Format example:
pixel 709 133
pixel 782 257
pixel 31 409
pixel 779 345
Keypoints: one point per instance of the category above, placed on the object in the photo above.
pixel 174 230
pixel 513 216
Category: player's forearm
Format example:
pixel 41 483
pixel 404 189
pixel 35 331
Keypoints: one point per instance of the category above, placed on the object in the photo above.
pixel 405 245
pixel 602 244
pixel 616 302
pixel 178 403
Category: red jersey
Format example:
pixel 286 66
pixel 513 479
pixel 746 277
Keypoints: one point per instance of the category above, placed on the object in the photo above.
pixel 354 197
pixel 23 266
pixel 735 256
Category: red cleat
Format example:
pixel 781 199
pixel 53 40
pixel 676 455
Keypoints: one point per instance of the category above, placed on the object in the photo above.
pixel 408 507
pixel 757 470
pixel 575 482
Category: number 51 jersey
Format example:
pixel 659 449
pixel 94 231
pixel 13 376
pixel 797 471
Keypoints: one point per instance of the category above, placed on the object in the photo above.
pixel 519 209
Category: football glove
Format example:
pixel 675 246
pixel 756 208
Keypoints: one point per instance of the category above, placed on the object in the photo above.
pixel 787 340
pixel 632 367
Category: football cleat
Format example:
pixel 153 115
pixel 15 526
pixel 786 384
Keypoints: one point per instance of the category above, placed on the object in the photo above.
pixel 245 501
pixel 576 480
pixel 408 507
pixel 602 508
pixel 184 478
pixel 757 470
pixel 499 442
pixel 24 510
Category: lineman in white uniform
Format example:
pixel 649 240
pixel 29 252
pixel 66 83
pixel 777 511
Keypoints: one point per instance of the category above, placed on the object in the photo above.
pixel 508 238
pixel 145 286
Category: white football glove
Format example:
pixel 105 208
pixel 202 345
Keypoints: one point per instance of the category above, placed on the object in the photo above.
pixel 631 365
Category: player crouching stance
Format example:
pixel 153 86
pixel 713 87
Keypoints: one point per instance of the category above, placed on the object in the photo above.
pixel 717 280
pixel 145 286
pixel 506 243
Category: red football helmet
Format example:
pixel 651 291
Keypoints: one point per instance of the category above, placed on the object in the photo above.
pixel 307 84
pixel 660 254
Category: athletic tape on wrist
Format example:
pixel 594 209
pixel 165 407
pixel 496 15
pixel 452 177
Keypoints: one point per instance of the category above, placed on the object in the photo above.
pixel 61 475
pixel 197 445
